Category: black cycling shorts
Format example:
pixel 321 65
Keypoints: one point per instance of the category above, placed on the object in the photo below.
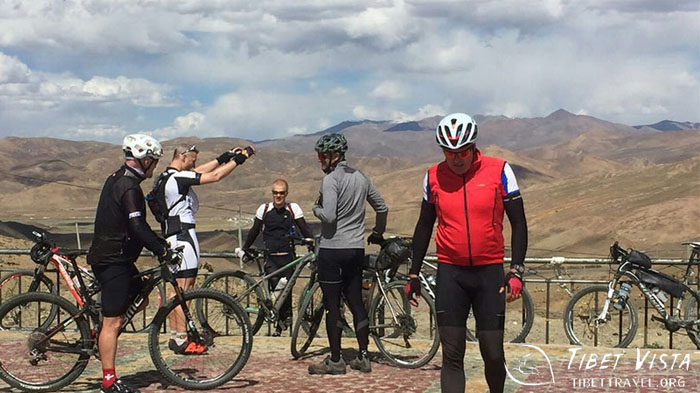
pixel 461 288
pixel 340 266
pixel 119 287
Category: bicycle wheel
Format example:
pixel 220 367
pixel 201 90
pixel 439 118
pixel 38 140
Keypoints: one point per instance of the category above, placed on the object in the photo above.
pixel 520 315
pixel 692 312
pixel 235 283
pixel 40 352
pixel 142 320
pixel 583 326
pixel 308 323
pixel 18 281
pixel 404 334
pixel 223 327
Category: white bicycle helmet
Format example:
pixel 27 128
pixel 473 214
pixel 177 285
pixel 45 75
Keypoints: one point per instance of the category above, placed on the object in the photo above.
pixel 456 131
pixel 140 146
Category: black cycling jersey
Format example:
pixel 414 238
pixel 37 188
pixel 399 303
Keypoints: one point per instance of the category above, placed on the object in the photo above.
pixel 121 230
pixel 277 227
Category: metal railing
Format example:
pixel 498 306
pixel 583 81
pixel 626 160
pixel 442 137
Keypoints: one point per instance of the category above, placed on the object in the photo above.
pixel 530 281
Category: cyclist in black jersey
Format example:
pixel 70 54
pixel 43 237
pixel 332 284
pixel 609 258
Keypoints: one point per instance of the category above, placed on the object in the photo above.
pixel 277 220
pixel 468 194
pixel 341 209
pixel 121 232
pixel 181 202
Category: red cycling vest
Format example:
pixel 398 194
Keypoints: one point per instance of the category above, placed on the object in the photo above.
pixel 469 210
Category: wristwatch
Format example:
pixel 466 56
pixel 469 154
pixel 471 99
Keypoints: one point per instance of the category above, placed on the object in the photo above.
pixel 519 267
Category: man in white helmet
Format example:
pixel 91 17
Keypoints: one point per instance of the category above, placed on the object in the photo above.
pixel 121 232
pixel 469 192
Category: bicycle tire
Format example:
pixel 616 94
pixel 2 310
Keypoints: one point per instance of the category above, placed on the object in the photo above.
pixel 11 284
pixel 221 341
pixel 15 347
pixel 234 282
pixel 309 318
pixel 692 311
pixel 512 332
pixel 579 309
pixel 424 327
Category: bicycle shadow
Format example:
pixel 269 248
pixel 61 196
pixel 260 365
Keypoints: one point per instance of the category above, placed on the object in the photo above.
pixel 144 379
pixel 351 353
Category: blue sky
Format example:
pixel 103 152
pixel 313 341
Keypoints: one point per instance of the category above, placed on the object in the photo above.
pixel 98 70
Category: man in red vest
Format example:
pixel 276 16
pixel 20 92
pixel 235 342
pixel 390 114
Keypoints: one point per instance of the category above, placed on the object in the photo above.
pixel 468 193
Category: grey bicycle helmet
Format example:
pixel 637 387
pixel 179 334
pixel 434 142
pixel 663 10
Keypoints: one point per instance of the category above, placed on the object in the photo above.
pixel 332 143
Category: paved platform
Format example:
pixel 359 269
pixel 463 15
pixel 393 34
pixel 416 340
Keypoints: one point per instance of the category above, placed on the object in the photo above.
pixel 272 369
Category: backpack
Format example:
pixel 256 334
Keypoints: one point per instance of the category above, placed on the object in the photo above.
pixel 287 206
pixel 156 198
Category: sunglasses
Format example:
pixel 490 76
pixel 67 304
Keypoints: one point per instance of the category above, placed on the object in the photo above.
pixel 279 192
pixel 462 154
pixel 191 149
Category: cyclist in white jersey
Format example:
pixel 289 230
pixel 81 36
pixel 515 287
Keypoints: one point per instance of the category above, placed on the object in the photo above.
pixel 179 227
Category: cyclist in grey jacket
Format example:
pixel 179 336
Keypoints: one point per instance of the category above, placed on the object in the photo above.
pixel 341 209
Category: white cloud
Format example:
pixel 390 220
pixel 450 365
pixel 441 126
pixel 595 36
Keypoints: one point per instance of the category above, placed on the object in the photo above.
pixel 187 125
pixel 267 68
pixel 389 90
pixel 12 70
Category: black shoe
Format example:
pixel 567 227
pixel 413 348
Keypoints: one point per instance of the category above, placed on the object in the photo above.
pixel 277 332
pixel 118 387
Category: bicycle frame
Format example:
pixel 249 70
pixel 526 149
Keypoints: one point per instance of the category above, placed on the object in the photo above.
pixel 272 310
pixel 61 262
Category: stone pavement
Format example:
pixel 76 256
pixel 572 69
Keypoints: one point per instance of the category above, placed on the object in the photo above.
pixel 271 369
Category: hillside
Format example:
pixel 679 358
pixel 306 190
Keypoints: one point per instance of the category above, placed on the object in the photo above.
pixel 585 181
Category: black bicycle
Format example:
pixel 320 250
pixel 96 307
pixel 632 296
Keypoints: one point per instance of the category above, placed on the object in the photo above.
pixel 46 341
pixel 407 336
pixel 603 314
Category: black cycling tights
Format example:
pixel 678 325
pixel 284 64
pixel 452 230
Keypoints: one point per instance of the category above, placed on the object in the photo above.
pixel 340 271
pixel 453 343
pixel 459 289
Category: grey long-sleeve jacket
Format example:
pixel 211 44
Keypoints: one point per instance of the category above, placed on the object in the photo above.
pixel 341 207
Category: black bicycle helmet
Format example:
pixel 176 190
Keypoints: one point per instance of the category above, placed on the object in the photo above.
pixel 332 143
pixel 40 252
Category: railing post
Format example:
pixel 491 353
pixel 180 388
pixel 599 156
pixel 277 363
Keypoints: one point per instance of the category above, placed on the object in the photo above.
pixel 546 318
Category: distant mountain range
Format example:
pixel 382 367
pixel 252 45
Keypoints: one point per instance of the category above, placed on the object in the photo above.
pixel 585 181
pixel 670 125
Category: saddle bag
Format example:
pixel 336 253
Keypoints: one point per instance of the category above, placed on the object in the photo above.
pixel 662 281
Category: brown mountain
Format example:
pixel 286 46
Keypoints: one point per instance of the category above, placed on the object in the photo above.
pixel 585 181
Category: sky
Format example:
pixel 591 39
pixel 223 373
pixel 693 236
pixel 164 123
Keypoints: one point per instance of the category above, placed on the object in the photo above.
pixel 261 69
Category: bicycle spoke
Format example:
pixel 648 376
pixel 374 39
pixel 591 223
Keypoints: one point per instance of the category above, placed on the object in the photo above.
pixel 219 341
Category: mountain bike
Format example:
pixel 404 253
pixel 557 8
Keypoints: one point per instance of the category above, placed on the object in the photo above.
pixel 520 313
pixel 407 336
pixel 604 314
pixel 46 341
pixel 24 280
pixel 254 295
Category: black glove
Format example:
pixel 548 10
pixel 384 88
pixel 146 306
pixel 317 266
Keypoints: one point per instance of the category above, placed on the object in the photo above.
pixel 243 155
pixel 412 288
pixel 375 238
pixel 225 157
pixel 170 257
